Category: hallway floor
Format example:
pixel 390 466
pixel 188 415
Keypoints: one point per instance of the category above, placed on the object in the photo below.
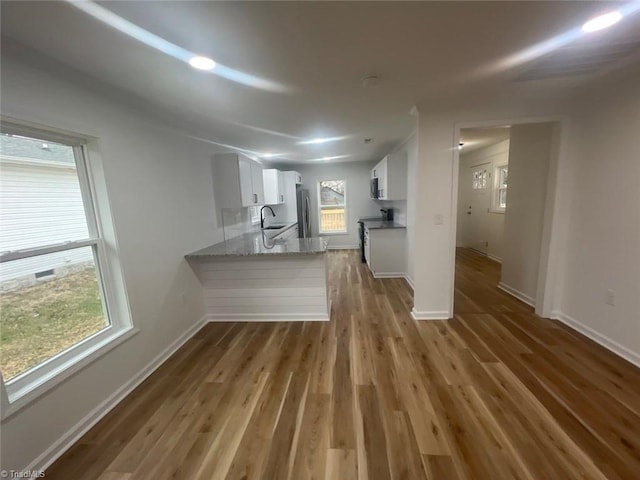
pixel 495 393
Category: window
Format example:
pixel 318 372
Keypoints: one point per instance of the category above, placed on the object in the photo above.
pixel 499 197
pixel 53 299
pixel 332 206
pixel 480 177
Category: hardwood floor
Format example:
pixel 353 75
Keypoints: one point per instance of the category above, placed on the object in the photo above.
pixel 496 393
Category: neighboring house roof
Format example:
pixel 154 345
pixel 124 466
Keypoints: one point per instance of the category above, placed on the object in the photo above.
pixel 330 190
pixel 16 148
pixel 330 195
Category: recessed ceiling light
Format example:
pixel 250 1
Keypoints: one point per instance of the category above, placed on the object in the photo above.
pixel 316 141
pixel 319 140
pixel 371 81
pixel 602 21
pixel 202 63
pixel 324 159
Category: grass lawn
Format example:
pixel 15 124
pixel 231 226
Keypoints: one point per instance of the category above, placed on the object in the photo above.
pixel 40 321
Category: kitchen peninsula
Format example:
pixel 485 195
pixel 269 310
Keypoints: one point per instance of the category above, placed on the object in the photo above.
pixel 254 278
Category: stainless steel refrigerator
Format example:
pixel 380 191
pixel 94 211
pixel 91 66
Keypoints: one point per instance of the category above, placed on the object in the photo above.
pixel 304 212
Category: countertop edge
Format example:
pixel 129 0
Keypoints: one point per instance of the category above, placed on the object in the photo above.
pixel 236 248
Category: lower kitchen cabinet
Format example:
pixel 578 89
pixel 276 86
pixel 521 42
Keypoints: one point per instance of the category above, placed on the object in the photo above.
pixel 385 251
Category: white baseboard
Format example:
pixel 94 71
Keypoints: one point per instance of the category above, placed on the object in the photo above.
pixel 518 294
pixel 55 451
pixel 494 258
pixel 410 281
pixel 433 315
pixel 268 317
pixel 343 247
pixel 600 339
pixel 389 275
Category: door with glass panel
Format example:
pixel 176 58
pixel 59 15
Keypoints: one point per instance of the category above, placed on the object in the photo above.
pixel 476 228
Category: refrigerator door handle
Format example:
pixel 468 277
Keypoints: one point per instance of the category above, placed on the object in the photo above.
pixel 307 219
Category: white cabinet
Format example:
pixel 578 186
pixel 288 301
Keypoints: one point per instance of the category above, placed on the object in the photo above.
pixel 281 190
pixel 247 195
pixel 380 172
pixel 237 181
pixel 297 178
pixel 391 173
pixel 288 212
pixel 384 250
pixel 274 187
pixel 367 247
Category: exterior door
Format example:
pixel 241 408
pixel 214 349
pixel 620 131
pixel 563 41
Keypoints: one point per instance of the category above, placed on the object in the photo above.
pixel 476 228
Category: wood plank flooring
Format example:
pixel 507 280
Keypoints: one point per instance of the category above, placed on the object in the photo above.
pixel 495 393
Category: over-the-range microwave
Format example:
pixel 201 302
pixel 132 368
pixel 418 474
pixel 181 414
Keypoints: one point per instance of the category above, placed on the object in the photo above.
pixel 374 188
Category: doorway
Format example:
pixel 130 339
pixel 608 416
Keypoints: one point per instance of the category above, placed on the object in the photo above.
pixel 506 181
pixel 483 170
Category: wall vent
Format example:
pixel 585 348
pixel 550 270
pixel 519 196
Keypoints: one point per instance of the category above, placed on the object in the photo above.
pixel 44 273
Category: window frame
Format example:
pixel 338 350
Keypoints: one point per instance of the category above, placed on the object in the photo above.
pixel 21 390
pixel 343 205
pixel 495 188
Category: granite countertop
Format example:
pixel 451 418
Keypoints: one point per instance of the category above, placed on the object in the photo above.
pixel 251 244
pixel 372 224
pixel 275 232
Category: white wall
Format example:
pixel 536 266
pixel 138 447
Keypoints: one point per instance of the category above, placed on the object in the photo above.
pixel 359 204
pixel 437 170
pixel 161 196
pixel 592 231
pixel 529 159
pixel 603 246
pixel 412 166
pixel 493 223
pixel 405 210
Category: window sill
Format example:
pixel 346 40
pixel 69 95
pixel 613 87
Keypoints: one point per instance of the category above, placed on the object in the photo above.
pixel 39 386
pixel 323 234
pixel 493 210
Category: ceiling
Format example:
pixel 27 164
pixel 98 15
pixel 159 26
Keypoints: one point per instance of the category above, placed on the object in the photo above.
pixel 475 138
pixel 317 52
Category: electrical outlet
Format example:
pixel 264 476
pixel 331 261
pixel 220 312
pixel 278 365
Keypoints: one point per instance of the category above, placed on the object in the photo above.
pixel 610 298
pixel 439 219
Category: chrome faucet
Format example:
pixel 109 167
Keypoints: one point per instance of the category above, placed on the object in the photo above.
pixel 262 215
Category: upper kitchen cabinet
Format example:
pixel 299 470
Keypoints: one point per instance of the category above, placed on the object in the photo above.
pixel 274 187
pixel 288 212
pixel 391 173
pixel 237 181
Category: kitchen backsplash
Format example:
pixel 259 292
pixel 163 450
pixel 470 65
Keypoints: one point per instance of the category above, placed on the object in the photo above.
pixel 238 221
pixel 399 209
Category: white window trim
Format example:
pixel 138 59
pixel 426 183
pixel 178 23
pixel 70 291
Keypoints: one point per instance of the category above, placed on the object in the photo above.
pixel 28 386
pixel 495 208
pixel 344 205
